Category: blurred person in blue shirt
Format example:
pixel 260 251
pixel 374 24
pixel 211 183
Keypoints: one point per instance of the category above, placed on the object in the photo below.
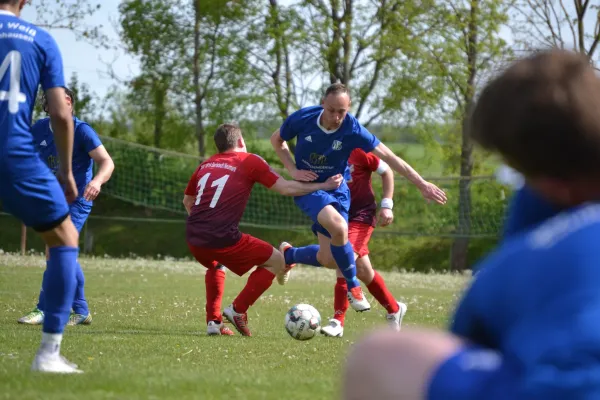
pixel 528 327
pixel 87 150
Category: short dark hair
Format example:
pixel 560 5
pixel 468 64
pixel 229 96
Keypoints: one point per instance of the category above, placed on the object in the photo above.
pixel 336 88
pixel 543 116
pixel 12 2
pixel 69 94
pixel 226 137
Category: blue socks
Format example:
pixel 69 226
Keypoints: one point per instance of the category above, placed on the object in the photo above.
pixel 41 305
pixel 344 258
pixel 303 255
pixel 59 287
pixel 80 305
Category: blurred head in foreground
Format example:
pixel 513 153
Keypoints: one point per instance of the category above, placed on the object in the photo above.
pixel 543 116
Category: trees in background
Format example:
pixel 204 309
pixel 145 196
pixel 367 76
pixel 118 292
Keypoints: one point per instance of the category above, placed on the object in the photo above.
pixel 414 68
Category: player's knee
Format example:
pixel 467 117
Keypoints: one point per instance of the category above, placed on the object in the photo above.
pixel 64 234
pixel 276 262
pixel 338 229
pixel 364 272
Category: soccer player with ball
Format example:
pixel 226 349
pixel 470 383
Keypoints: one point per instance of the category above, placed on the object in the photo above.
pixel 528 327
pixel 215 198
pixel 362 221
pixel 326 136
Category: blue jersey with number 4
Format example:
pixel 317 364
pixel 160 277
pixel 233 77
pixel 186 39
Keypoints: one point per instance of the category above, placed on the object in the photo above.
pixel 321 151
pixel 29 57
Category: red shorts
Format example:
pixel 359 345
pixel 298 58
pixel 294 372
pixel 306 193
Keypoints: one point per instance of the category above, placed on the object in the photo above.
pixel 239 258
pixel 359 235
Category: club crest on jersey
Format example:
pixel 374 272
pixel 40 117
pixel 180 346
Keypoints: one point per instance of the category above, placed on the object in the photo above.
pixel 336 145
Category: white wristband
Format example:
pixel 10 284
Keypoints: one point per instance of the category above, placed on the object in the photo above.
pixel 387 203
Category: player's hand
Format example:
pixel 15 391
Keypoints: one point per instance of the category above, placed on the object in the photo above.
pixel 70 187
pixel 92 190
pixel 432 192
pixel 386 217
pixel 333 182
pixel 303 175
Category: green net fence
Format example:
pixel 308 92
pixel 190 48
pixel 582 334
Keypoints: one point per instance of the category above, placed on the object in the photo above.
pixel 157 178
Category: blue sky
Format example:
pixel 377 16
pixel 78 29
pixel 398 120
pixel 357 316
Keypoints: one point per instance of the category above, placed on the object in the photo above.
pixel 89 62
pixel 85 59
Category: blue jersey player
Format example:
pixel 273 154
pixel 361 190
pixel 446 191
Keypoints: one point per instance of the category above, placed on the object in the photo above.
pixel 87 150
pixel 326 135
pixel 29 57
pixel 528 327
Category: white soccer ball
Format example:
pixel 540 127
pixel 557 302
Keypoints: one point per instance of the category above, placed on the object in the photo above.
pixel 303 322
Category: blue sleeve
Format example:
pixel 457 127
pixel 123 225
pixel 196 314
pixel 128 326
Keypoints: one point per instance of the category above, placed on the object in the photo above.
pixel 88 137
pixel 566 346
pixel 52 71
pixel 290 127
pixel 366 140
pixel 526 210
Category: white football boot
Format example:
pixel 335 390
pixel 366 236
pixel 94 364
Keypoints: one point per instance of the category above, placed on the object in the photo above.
pixel 217 329
pixel 395 320
pixel 284 277
pixel 333 329
pixel 53 363
pixel 358 300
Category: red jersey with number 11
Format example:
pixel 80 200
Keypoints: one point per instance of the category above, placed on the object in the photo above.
pixel 363 207
pixel 222 186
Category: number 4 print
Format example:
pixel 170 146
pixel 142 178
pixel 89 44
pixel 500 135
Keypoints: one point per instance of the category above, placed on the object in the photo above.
pixel 14 95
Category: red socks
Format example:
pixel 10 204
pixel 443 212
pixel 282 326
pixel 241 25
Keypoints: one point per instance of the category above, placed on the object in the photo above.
pixel 377 288
pixel 340 300
pixel 381 293
pixel 258 282
pixel 215 286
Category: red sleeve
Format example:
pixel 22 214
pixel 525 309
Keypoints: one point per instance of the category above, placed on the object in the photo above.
pixel 259 171
pixel 190 190
pixel 372 161
pixel 360 159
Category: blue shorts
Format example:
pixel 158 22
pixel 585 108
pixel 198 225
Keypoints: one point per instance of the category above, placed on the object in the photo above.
pixel 311 204
pixel 475 373
pixel 80 211
pixel 36 198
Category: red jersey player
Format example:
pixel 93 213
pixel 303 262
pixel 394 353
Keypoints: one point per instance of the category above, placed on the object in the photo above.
pixel 216 198
pixel 362 220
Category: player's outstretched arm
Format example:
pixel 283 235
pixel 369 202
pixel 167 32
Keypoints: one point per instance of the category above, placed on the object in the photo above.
pixel 428 189
pixel 295 188
pixel 62 125
pixel 386 216
pixel 106 167
pixel 284 154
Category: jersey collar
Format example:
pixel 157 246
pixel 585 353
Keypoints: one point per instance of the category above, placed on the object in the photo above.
pixel 4 12
pixel 328 132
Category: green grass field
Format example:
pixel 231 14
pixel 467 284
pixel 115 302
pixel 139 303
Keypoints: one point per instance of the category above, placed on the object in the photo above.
pixel 148 338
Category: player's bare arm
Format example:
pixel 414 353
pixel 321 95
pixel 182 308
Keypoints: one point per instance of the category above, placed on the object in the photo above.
pixel 428 189
pixel 188 202
pixel 62 124
pixel 106 167
pixel 386 216
pixel 284 154
pixel 295 188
